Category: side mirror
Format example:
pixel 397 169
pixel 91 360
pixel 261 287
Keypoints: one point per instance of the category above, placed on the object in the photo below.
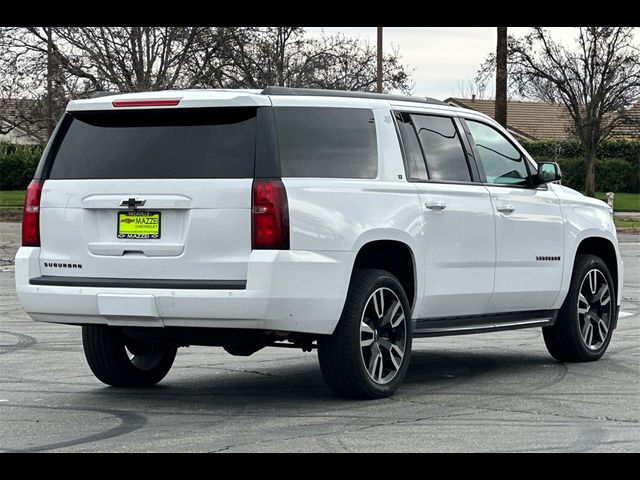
pixel 548 172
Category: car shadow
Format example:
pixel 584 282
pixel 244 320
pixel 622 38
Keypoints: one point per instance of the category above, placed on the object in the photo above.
pixel 299 385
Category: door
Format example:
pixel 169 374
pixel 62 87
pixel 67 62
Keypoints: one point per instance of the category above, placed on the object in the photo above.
pixel 151 194
pixel 529 226
pixel 458 234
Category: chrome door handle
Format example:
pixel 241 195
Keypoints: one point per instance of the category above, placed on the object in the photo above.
pixel 435 205
pixel 505 208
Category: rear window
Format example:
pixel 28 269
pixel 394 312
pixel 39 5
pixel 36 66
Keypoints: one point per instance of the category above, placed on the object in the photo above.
pixel 184 143
pixel 327 142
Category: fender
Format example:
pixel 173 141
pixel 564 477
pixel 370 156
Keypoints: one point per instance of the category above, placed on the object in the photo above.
pixel 584 218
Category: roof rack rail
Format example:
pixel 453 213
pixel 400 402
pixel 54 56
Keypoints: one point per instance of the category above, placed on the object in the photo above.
pixel 317 92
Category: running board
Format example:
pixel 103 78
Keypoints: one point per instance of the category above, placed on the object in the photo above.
pixel 442 326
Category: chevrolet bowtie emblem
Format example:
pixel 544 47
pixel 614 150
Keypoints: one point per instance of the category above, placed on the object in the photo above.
pixel 132 203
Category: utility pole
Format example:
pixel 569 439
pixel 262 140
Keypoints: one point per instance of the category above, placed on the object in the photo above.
pixel 49 82
pixel 379 79
pixel 500 113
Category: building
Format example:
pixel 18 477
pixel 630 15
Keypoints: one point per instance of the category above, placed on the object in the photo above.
pixel 543 120
pixel 22 122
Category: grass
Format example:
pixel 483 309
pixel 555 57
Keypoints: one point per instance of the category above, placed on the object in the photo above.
pixel 626 223
pixel 623 202
pixel 11 202
pixel 11 198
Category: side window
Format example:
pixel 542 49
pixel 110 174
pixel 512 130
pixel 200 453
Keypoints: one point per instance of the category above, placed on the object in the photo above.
pixel 415 159
pixel 446 159
pixel 502 162
pixel 327 142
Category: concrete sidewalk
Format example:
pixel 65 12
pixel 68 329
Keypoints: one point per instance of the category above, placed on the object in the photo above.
pixel 631 215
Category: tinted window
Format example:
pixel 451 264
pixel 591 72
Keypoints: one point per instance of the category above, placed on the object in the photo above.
pixel 501 161
pixel 446 159
pixel 327 142
pixel 415 159
pixel 195 143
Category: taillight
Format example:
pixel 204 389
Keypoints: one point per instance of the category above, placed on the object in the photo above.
pixel 31 215
pixel 269 215
pixel 157 102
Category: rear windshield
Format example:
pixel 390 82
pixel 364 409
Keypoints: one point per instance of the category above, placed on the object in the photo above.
pixel 184 143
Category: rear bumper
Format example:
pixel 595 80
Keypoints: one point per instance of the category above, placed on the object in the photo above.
pixel 297 291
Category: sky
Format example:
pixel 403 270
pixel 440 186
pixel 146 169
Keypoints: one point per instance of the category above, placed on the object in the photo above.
pixel 445 58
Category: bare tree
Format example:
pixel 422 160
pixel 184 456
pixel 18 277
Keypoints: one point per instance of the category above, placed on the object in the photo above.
pixel 343 63
pixel 283 56
pixel 30 87
pixel 597 81
pixel 500 113
pixel 42 68
pixel 473 89
pixel 132 59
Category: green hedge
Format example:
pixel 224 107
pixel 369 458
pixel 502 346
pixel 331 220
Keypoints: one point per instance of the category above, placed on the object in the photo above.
pixel 628 150
pixel 612 174
pixel 17 165
pixel 617 163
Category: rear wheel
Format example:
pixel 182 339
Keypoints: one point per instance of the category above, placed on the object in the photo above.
pixel 583 329
pixel 118 361
pixel 368 354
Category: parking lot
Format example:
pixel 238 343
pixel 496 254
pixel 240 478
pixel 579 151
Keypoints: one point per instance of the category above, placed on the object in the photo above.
pixel 496 392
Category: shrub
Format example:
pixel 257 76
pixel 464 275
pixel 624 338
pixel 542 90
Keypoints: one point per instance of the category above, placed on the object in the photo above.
pixel 628 150
pixel 17 165
pixel 617 163
pixel 612 174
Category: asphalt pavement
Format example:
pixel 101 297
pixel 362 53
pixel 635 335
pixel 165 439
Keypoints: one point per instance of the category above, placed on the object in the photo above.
pixel 491 392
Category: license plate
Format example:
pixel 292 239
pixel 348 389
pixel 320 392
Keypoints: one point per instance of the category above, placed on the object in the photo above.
pixel 139 224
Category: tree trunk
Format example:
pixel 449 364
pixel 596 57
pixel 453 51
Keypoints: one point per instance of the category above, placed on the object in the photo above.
pixel 500 113
pixel 590 177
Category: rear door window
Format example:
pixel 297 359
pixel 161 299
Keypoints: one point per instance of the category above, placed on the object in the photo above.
pixel 327 142
pixel 181 143
pixel 440 140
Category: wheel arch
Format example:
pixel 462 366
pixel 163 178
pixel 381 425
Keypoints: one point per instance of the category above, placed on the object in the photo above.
pixel 394 255
pixel 603 248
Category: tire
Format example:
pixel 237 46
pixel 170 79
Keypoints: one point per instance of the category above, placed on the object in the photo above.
pixel 106 350
pixel 582 332
pixel 382 346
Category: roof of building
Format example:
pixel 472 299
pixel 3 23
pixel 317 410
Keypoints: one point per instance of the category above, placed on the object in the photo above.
pixel 532 120
pixel 544 120
pixel 631 127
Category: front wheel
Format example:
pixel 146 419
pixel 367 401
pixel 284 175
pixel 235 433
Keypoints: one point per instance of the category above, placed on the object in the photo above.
pixel 368 354
pixel 122 362
pixel 583 329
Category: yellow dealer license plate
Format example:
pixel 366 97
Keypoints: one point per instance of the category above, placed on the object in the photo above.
pixel 139 224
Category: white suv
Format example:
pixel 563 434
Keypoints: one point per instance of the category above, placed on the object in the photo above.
pixel 289 217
